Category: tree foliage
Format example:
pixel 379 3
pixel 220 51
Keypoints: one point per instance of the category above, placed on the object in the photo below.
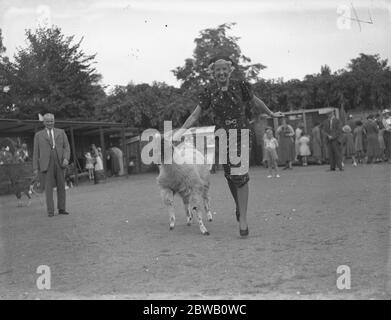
pixel 146 106
pixel 5 80
pixel 52 74
pixel 213 42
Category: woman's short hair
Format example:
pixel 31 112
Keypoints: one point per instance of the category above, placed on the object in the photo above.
pixel 220 58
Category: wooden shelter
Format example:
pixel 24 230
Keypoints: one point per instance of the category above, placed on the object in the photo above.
pixel 81 135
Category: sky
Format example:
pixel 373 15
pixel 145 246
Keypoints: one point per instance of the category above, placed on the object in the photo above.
pixel 142 41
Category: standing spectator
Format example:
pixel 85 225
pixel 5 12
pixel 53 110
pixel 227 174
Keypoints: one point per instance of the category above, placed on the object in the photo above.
pixel 98 168
pixel 114 161
pixel 22 154
pixel 119 156
pixel 381 144
pixel 271 145
pixel 5 155
pixel 316 144
pixel 348 145
pixel 298 133
pixel 286 143
pixel 351 122
pixel 304 148
pixel 358 135
pixel 89 165
pixel 332 129
pixel 372 131
pixel 387 134
pixel 258 128
pixel 325 150
pixel 51 156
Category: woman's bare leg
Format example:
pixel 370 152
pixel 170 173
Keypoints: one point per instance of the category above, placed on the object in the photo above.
pixel 234 193
pixel 242 193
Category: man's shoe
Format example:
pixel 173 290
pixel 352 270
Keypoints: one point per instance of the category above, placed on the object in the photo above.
pixel 243 233
pixel 50 214
pixel 62 212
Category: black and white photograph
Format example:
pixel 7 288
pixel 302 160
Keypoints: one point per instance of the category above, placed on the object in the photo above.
pixel 195 150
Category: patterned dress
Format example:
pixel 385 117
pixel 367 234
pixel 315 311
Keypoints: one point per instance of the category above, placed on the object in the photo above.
pixel 286 143
pixel 358 134
pixel 348 145
pixel 372 132
pixel 316 143
pixel 228 109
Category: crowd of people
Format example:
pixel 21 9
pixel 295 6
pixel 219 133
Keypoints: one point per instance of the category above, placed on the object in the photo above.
pixel 362 141
pixel 20 155
pixel 94 163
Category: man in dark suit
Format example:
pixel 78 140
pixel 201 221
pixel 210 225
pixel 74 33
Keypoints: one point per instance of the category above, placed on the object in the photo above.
pixel 50 158
pixel 332 129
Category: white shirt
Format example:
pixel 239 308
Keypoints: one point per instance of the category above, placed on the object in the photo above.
pixel 51 136
pixel 387 123
pixel 271 143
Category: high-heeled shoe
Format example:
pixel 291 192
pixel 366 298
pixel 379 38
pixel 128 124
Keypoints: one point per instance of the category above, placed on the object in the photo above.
pixel 243 233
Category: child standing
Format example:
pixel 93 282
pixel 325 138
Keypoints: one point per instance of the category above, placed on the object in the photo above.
pixel 271 145
pixel 348 145
pixel 89 165
pixel 304 148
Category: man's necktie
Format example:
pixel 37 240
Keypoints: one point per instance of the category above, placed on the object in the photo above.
pixel 51 138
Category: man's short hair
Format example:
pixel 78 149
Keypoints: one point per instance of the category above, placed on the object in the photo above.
pixel 48 116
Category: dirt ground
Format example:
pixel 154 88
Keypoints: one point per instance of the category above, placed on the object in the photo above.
pixel 116 243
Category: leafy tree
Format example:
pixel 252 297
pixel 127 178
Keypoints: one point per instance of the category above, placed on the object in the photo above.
pixel 147 106
pixel 210 43
pixel 6 106
pixel 53 74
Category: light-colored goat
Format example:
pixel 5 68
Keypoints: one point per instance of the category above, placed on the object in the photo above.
pixel 189 178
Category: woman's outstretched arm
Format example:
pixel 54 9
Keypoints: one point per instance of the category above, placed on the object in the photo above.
pixel 262 108
pixel 188 123
pixel 192 118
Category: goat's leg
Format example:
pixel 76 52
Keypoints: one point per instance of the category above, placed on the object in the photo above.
pixel 203 229
pixel 18 195
pixel 189 213
pixel 38 195
pixel 168 199
pixel 206 198
pixel 207 207
pixel 29 198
